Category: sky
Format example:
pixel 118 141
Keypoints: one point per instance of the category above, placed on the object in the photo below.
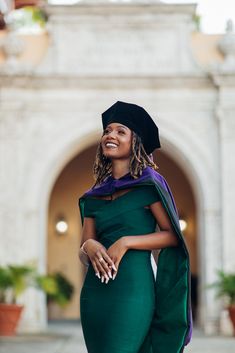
pixel 214 13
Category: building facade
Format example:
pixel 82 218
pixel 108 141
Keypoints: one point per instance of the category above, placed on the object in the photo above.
pixel 53 89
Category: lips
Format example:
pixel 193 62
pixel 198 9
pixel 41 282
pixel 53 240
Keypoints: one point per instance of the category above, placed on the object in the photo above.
pixel 111 145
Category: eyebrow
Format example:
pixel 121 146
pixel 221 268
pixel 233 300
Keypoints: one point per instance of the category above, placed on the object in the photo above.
pixel 125 127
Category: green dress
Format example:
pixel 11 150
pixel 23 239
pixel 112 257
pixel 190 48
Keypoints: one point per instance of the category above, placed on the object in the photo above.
pixel 117 317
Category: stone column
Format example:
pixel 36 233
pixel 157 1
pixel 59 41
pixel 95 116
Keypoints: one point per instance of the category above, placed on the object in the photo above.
pixel 225 81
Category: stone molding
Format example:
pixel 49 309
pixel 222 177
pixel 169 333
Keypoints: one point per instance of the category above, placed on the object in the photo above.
pixel 120 8
pixel 31 81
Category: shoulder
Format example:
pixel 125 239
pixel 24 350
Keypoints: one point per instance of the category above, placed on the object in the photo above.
pixel 152 175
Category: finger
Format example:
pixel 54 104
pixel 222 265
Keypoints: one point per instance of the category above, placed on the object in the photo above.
pixel 115 274
pixel 106 268
pixel 96 269
pixel 102 252
pixel 108 260
pixel 104 264
pixel 102 270
pixel 104 278
pixel 100 267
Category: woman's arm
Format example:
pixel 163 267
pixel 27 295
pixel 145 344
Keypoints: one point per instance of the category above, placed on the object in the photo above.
pixel 157 240
pixel 94 250
pixel 88 232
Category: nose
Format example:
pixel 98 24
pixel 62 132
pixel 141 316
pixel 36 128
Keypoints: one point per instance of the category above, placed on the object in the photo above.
pixel 111 135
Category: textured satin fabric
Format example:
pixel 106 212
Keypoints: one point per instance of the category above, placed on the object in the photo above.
pixel 116 317
pixel 171 326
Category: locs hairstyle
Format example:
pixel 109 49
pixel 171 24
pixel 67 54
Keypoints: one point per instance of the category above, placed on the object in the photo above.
pixel 138 161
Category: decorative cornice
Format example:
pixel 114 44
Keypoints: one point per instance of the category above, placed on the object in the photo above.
pixel 223 79
pixel 32 81
pixel 119 8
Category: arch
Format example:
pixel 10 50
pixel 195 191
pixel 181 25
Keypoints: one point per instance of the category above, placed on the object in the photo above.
pixel 179 144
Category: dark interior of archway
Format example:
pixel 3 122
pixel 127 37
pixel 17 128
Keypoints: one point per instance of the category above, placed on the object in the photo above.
pixel 73 181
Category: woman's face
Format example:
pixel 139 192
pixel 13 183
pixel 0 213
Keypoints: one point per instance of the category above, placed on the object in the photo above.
pixel 116 141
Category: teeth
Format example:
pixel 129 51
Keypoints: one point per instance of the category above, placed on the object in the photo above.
pixel 110 144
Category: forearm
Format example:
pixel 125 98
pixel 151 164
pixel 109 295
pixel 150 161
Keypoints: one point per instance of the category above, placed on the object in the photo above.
pixel 84 258
pixel 156 240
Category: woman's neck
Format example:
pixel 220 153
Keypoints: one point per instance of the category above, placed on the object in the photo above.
pixel 120 168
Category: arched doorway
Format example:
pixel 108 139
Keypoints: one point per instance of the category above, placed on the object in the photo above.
pixel 62 247
pixel 73 180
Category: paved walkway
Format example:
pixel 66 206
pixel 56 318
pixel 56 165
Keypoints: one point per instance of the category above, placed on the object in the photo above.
pixel 67 338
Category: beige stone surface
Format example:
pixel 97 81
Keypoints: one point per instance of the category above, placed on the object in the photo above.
pixel 50 114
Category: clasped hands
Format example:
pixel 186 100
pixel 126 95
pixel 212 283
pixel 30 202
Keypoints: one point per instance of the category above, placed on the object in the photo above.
pixel 106 261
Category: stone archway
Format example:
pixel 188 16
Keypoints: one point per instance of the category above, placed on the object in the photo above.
pixel 181 149
pixel 74 179
pixel 62 248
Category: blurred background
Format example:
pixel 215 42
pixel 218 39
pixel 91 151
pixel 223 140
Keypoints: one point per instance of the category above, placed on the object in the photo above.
pixel 62 63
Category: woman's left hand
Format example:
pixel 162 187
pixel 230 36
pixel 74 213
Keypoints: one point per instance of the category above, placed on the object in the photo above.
pixel 116 251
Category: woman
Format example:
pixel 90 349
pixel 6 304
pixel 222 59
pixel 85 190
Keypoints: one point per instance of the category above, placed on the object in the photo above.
pixel 123 308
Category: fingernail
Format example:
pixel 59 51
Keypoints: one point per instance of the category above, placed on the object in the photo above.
pixel 110 275
pixel 102 279
pixel 97 274
pixel 115 274
pixel 114 267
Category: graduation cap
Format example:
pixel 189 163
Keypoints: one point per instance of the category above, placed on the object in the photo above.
pixel 137 119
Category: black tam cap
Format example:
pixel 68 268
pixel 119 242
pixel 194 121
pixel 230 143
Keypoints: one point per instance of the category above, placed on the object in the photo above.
pixel 137 119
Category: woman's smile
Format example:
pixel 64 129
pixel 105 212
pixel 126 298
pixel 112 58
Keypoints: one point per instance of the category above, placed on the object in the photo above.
pixel 116 141
pixel 111 145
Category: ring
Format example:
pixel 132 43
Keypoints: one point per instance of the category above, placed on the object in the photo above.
pixel 101 259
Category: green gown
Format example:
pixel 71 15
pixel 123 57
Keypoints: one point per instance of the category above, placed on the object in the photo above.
pixel 117 317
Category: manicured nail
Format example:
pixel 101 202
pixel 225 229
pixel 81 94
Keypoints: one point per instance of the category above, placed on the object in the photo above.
pixel 107 278
pixel 97 274
pixel 115 274
pixel 114 267
pixel 102 279
pixel 110 275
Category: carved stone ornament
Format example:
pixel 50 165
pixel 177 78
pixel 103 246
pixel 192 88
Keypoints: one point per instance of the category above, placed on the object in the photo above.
pixel 227 46
pixel 12 46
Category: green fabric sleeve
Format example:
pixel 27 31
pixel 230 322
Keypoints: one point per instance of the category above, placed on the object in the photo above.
pixel 89 208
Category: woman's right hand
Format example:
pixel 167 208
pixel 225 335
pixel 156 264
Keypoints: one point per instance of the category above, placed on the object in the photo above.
pixel 95 250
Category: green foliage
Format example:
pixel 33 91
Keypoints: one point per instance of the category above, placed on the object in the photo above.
pixel 15 279
pixel 29 19
pixel 37 15
pixel 57 288
pixel 225 286
pixel 5 283
pixel 197 21
pixel 47 283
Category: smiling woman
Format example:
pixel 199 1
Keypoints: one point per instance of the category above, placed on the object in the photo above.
pixel 123 309
pixel 116 141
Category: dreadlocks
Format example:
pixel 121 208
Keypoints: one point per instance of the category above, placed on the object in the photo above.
pixel 139 160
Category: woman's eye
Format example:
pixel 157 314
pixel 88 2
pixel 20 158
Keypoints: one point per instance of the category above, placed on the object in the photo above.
pixel 121 132
pixel 106 132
